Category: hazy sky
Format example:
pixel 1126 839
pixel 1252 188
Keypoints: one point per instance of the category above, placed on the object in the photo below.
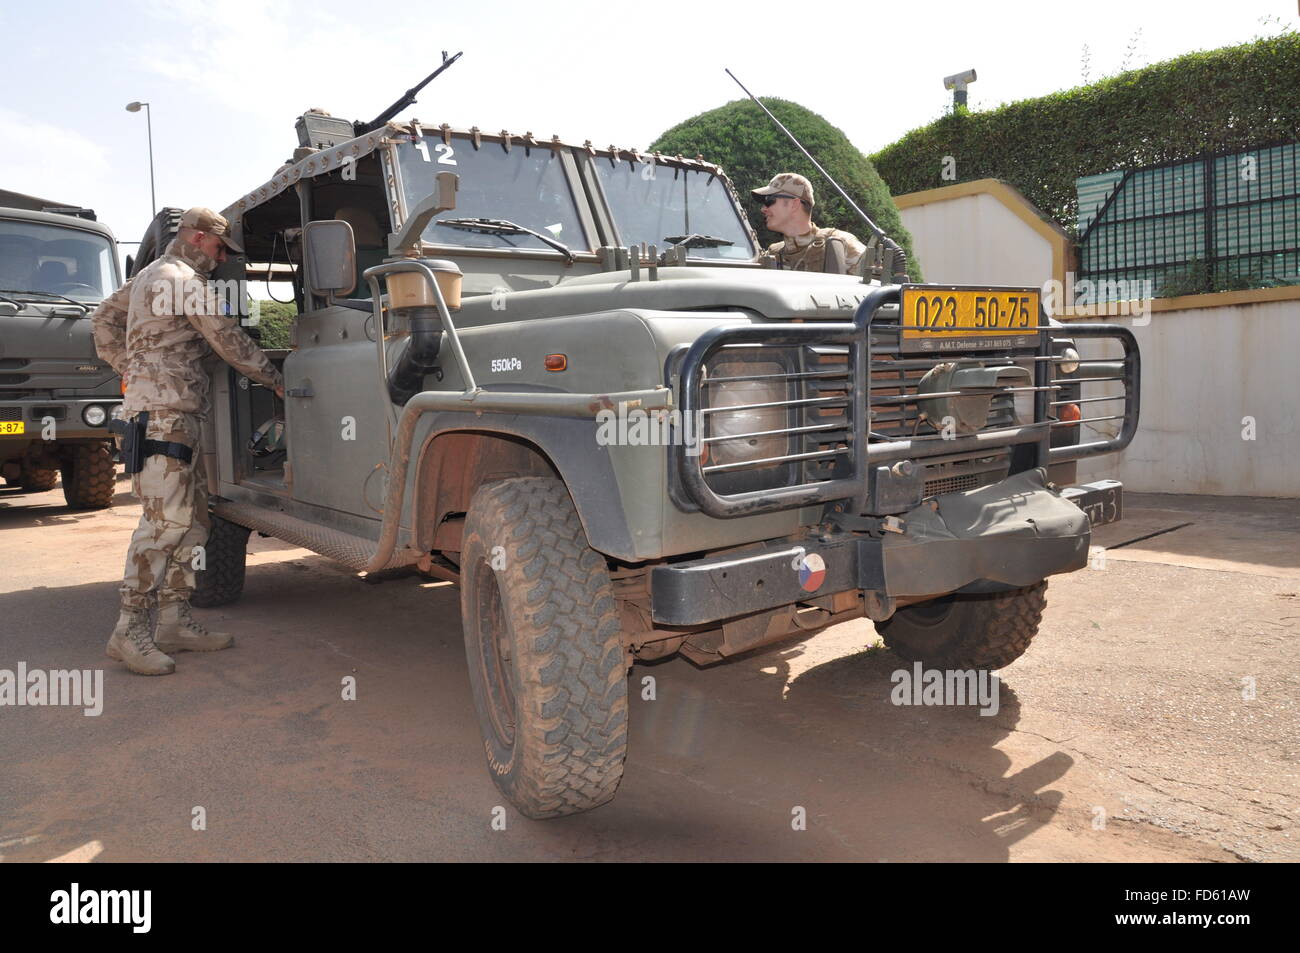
pixel 226 80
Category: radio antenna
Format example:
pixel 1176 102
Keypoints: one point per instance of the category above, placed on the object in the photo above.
pixel 899 256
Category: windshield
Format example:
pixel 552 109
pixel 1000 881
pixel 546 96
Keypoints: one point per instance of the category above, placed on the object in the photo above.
pixel 652 203
pixel 526 187
pixel 36 257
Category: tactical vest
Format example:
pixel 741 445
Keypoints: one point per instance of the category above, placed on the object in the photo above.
pixel 825 253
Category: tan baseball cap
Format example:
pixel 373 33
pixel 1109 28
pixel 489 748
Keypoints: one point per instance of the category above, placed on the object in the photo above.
pixel 789 183
pixel 206 220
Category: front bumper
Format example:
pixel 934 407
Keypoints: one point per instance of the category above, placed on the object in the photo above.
pixel 1005 536
pixel 65 413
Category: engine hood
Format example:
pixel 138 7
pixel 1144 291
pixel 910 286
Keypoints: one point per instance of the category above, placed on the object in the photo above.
pixel 776 295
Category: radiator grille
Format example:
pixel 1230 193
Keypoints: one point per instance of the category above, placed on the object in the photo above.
pixel 790 418
pixel 952 484
pixel 11 413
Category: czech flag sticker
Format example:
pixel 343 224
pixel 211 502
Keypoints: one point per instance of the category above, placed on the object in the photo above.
pixel 812 572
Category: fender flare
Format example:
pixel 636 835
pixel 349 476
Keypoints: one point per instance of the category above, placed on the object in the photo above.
pixel 569 444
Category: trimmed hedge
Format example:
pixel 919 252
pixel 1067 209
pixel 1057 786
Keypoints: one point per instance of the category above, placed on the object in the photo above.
pixel 1239 97
pixel 275 318
pixel 751 149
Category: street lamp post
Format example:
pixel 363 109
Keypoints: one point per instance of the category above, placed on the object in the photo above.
pixel 148 118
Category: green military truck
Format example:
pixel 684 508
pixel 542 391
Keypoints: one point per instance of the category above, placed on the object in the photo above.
pixel 550 373
pixel 56 396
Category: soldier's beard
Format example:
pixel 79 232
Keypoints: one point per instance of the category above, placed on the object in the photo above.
pixel 199 260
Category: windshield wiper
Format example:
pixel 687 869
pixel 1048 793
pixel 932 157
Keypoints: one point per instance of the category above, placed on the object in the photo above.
pixel 698 241
pixel 49 294
pixel 499 226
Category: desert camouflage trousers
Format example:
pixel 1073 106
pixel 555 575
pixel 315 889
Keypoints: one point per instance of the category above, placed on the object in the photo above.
pixel 174 497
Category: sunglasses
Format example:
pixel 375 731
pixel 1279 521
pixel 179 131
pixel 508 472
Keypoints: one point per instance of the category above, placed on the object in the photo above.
pixel 767 201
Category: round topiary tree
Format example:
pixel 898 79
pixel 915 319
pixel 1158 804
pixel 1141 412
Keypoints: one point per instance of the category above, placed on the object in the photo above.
pixel 751 149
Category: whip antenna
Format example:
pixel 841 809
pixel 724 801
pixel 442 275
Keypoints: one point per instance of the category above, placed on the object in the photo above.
pixel 899 257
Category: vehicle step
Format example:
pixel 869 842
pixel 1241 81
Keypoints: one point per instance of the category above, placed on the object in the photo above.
pixel 355 552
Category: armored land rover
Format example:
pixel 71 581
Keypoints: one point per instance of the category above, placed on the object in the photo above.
pixel 550 373
pixel 56 396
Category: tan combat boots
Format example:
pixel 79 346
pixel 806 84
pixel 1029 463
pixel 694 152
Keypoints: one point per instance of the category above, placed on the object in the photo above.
pixel 131 643
pixel 179 632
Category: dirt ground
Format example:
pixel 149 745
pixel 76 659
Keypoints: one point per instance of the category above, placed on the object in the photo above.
pixel 1155 718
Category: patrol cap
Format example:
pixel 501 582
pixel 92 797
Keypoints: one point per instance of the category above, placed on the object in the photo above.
pixel 205 220
pixel 789 183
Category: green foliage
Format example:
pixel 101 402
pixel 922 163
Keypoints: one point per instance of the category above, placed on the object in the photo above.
pixel 1199 277
pixel 275 320
pixel 1238 97
pixel 751 149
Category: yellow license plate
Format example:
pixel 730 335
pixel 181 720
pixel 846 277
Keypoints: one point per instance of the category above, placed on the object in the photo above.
pixel 937 318
pixel 10 427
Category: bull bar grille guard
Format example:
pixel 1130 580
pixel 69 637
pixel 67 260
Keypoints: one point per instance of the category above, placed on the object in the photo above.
pixel 844 464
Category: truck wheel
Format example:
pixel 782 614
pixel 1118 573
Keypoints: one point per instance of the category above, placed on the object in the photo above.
pixel 225 555
pixel 88 477
pixel 38 481
pixel 544 649
pixel 987 631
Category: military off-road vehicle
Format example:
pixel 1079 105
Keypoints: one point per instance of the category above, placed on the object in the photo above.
pixel 56 396
pixel 550 373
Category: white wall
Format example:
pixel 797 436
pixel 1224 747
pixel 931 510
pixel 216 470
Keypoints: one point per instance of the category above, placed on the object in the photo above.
pixel 976 239
pixel 1203 371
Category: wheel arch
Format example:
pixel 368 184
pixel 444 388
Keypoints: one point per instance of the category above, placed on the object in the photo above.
pixel 456 457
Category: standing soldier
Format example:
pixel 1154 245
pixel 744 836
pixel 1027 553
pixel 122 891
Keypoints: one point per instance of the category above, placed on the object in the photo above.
pixel 787 210
pixel 155 331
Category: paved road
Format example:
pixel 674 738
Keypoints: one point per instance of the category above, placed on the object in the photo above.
pixel 1128 709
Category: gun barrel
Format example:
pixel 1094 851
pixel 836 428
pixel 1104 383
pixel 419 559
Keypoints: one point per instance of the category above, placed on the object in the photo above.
pixel 407 98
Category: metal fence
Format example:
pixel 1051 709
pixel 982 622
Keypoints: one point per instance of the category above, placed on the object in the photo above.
pixel 1214 223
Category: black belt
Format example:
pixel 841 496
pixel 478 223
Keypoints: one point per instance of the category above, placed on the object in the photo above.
pixel 136 448
pixel 168 448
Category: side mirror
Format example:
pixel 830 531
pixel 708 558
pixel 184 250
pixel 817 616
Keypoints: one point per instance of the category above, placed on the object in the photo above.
pixel 330 257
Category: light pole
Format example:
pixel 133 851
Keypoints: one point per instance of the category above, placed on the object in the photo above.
pixel 148 118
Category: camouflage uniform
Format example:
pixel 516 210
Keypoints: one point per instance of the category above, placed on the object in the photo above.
pixel 812 250
pixel 156 331
pixel 808 252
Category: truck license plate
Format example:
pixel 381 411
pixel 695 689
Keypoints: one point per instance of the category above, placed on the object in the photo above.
pixel 1103 501
pixel 949 318
pixel 10 427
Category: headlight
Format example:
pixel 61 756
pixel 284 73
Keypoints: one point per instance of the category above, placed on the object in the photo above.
pixel 746 397
pixel 750 425
pixel 117 413
pixel 1069 361
pixel 94 415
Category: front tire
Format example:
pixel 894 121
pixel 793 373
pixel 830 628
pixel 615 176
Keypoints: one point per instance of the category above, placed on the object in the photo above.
pixel 988 631
pixel 544 649
pixel 88 477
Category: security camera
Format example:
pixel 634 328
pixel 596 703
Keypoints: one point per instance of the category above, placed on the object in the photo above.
pixel 959 80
